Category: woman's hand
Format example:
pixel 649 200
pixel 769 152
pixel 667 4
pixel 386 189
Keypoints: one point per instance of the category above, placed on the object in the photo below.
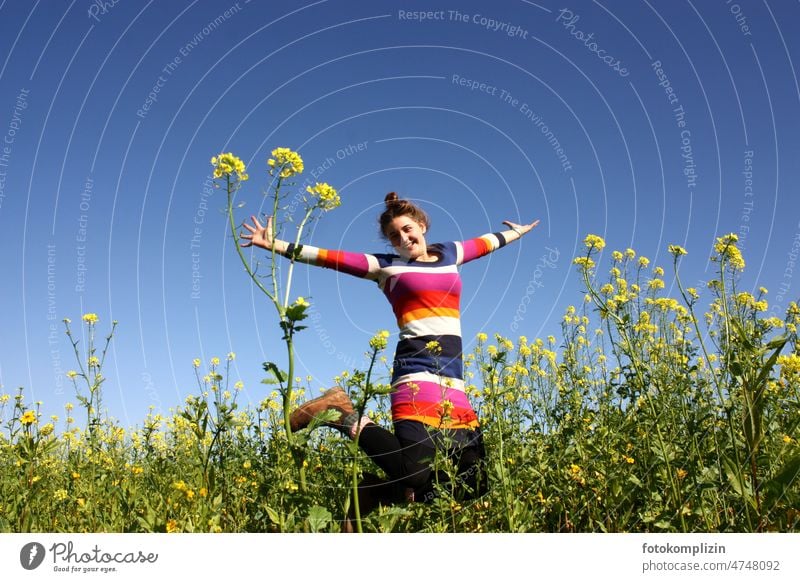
pixel 521 228
pixel 260 236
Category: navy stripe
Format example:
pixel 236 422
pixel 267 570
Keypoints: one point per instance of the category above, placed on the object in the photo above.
pixel 411 356
pixel 501 239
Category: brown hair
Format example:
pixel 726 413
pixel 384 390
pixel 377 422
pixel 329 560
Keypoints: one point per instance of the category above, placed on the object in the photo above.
pixel 396 207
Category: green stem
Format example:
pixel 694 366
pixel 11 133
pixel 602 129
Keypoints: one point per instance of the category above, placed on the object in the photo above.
pixel 273 262
pixel 231 189
pixel 292 259
pixel 297 453
pixel 727 348
pixel 361 408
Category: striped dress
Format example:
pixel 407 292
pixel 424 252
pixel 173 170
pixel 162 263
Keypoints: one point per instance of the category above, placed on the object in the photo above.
pixel 427 380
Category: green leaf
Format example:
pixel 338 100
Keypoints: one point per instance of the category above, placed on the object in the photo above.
pixel 742 335
pixel 738 485
pixel 778 342
pixel 278 375
pixel 767 368
pixel 273 515
pixel 320 419
pixel 786 475
pixel 736 369
pixel 318 518
pixel 296 312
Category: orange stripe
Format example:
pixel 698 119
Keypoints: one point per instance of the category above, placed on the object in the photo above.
pixel 427 312
pixel 437 422
pixel 430 413
pixel 428 299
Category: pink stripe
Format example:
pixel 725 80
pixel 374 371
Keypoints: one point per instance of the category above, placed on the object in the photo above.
pixel 434 281
pixel 428 392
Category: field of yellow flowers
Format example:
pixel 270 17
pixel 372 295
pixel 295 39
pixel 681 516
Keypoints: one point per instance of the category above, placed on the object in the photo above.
pixel 646 415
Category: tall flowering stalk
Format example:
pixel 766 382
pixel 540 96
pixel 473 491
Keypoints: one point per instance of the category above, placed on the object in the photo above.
pixel 89 372
pixel 283 166
pixel 615 310
pixel 365 390
pixel 749 357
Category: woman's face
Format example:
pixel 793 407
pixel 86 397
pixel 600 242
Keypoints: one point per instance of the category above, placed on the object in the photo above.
pixel 407 236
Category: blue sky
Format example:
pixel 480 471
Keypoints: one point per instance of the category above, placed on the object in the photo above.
pixel 648 123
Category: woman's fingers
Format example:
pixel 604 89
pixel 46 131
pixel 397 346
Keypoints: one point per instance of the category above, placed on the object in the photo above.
pixel 521 227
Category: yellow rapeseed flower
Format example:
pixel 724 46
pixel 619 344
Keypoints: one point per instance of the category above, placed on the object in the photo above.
pixel 584 262
pixel 726 248
pixel 379 341
pixel 226 165
pixel 28 418
pixel 592 241
pixel 447 408
pixel 434 347
pixel 286 161
pixel 676 250
pixel 90 318
pixel 327 194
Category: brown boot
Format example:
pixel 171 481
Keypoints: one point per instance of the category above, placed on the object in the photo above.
pixel 334 399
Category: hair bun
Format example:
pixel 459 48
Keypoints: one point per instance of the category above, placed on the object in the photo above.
pixel 396 206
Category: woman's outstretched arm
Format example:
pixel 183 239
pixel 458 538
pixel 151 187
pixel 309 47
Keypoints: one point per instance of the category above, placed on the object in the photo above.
pixel 483 245
pixel 356 264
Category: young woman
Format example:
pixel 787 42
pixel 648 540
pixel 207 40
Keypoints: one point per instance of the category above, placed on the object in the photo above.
pixel 430 409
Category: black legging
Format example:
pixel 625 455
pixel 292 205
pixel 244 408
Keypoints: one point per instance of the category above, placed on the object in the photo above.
pixel 406 456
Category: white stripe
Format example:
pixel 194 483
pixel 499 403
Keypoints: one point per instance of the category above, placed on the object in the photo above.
pixel 438 325
pixel 443 381
pixel 459 253
pixel 373 266
pixel 405 268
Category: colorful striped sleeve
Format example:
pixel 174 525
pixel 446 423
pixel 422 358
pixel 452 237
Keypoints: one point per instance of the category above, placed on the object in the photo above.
pixel 476 248
pixel 356 264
